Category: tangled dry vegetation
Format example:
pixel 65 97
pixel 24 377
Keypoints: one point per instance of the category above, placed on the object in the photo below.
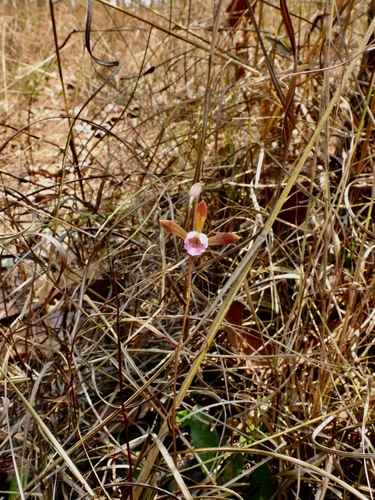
pixel 105 127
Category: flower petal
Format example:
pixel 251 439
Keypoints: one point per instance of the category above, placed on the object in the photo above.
pixel 223 239
pixel 173 228
pixel 195 243
pixel 201 216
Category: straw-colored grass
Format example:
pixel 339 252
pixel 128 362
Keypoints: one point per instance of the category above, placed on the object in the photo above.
pixel 122 376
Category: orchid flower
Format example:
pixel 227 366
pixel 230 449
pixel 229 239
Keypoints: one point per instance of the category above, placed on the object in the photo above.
pixel 196 242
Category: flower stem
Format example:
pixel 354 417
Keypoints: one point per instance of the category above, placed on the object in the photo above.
pixel 181 339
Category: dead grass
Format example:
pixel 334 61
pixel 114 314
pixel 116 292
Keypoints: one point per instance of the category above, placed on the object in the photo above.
pixel 275 378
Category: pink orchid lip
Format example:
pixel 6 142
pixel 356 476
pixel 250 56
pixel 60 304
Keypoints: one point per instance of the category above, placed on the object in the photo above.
pixel 195 243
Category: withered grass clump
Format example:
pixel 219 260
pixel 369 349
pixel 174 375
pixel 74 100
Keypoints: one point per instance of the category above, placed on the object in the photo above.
pixel 110 114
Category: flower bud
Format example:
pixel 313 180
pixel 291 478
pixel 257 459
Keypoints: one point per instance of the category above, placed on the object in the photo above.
pixel 194 192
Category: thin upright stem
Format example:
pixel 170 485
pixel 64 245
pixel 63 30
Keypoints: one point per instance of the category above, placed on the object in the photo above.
pixel 181 339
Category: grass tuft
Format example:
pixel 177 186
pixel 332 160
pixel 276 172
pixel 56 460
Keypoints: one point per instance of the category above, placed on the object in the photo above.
pixel 130 370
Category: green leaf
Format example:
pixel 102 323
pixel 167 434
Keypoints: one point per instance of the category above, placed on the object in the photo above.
pixel 262 482
pixel 14 490
pixel 232 467
pixel 203 435
pixel 182 414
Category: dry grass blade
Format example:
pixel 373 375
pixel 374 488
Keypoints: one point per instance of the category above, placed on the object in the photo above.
pixel 169 461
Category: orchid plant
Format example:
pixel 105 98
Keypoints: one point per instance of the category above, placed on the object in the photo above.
pixel 195 241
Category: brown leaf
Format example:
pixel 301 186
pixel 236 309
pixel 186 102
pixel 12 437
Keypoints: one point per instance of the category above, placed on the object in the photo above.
pixel 244 340
pixel 235 11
